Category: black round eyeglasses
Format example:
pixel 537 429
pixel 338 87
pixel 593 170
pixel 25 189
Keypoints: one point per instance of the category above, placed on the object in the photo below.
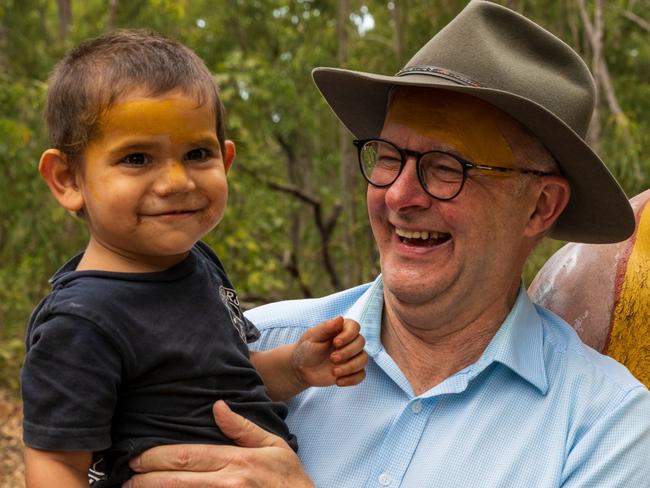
pixel 441 174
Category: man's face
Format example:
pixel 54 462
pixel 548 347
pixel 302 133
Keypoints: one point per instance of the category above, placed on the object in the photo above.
pixel 451 252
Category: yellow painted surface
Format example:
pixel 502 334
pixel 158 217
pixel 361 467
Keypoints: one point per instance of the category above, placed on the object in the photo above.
pixel 151 125
pixel 630 335
pixel 465 123
pixel 177 172
pixel 172 116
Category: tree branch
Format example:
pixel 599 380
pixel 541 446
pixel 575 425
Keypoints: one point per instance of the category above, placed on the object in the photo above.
pixel 641 22
pixel 325 227
pixel 599 65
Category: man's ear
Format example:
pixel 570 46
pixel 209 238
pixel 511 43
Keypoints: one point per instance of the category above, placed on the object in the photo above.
pixel 61 177
pixel 552 198
pixel 229 157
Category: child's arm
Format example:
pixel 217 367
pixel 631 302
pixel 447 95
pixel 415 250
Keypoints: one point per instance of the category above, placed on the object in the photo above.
pixel 331 353
pixel 45 469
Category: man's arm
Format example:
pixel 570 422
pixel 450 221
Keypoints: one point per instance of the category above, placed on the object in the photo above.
pixel 615 450
pixel 51 469
pixel 262 460
pixel 330 353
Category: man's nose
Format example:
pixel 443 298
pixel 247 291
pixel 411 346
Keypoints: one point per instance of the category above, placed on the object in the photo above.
pixel 174 177
pixel 406 191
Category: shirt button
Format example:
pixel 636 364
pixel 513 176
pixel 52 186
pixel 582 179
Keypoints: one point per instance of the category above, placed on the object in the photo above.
pixel 384 479
pixel 416 406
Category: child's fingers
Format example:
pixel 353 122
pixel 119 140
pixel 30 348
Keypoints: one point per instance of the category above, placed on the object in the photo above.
pixel 348 351
pixel 351 366
pixel 351 380
pixel 324 331
pixel 349 331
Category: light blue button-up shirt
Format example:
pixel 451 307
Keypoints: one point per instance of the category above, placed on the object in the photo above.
pixel 538 409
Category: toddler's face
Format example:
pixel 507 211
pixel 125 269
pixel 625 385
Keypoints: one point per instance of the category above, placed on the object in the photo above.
pixel 153 180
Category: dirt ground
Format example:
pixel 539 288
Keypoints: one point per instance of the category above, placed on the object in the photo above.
pixel 11 445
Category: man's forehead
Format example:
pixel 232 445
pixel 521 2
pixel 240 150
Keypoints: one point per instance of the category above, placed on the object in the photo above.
pixel 424 105
pixel 471 125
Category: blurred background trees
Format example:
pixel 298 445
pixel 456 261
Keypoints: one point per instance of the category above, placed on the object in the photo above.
pixel 296 224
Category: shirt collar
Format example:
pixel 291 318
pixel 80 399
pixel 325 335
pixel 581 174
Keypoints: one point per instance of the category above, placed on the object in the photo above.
pixel 367 310
pixel 518 344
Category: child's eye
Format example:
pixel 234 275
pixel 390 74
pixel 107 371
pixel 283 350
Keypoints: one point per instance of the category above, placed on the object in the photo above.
pixel 198 154
pixel 136 159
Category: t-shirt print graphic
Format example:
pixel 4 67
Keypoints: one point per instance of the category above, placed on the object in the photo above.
pixel 229 299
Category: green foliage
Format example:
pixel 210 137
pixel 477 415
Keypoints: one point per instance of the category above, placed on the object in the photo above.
pixel 262 53
pixel 34 232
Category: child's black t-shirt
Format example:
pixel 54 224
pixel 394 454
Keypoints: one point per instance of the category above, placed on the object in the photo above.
pixel 120 362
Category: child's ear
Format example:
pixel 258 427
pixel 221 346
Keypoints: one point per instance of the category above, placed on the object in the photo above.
pixel 229 157
pixel 61 177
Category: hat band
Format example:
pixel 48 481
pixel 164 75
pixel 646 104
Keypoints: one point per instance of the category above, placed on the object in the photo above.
pixel 440 73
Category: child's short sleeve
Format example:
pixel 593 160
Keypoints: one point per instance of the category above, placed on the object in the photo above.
pixel 252 333
pixel 70 381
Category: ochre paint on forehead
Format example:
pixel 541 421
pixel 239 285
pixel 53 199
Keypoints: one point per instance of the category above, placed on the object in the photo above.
pixel 463 123
pixel 135 120
pixel 178 117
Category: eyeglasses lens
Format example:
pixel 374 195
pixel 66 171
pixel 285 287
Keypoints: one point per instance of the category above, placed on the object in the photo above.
pixel 441 174
pixel 381 162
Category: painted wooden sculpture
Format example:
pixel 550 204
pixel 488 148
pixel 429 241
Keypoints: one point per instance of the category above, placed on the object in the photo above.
pixel 603 291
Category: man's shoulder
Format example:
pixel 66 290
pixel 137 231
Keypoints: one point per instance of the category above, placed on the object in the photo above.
pixel 307 312
pixel 284 322
pixel 567 357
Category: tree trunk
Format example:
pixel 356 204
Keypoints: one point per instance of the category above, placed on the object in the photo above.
pixel 351 269
pixel 112 14
pixel 65 18
pixel 604 85
pixel 398 41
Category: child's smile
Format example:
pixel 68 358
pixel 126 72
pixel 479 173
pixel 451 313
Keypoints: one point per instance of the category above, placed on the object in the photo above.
pixel 153 182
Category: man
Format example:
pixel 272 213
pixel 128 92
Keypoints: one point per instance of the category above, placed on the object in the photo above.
pixel 473 153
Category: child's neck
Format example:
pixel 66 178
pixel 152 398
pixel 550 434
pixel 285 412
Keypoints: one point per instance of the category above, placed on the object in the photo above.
pixel 98 257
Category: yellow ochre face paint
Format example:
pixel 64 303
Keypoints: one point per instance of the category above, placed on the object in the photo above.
pixel 464 123
pixel 177 117
pixel 629 340
pixel 162 127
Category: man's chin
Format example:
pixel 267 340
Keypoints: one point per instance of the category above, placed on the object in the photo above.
pixel 411 288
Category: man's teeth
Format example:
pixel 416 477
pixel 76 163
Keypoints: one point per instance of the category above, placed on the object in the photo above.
pixel 422 234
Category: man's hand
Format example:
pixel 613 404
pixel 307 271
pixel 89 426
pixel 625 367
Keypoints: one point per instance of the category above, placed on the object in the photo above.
pixel 331 353
pixel 263 460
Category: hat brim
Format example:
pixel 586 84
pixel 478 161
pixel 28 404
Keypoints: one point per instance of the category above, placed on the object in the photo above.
pixel 598 210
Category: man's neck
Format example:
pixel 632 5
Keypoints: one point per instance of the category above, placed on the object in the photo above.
pixel 427 350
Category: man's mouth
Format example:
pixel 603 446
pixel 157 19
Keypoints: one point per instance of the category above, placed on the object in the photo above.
pixel 423 238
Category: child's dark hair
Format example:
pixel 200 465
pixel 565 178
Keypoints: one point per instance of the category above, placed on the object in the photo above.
pixel 94 75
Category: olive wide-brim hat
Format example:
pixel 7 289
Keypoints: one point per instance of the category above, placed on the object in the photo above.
pixel 490 52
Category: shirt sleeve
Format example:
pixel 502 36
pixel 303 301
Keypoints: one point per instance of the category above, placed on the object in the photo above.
pixel 69 381
pixel 614 451
pixel 252 333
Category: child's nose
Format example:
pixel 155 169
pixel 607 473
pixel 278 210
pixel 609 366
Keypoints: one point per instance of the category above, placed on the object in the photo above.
pixel 174 178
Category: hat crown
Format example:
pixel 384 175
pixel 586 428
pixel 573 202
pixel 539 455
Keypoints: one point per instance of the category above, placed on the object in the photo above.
pixel 499 49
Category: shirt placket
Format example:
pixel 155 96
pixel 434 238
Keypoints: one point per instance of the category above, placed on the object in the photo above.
pixel 400 443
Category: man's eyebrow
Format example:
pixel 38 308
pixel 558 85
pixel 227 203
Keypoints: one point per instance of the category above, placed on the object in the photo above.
pixel 436 146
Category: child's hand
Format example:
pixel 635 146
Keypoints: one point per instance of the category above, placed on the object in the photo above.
pixel 331 353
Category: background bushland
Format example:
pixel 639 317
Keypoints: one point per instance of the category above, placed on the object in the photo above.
pixel 296 224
